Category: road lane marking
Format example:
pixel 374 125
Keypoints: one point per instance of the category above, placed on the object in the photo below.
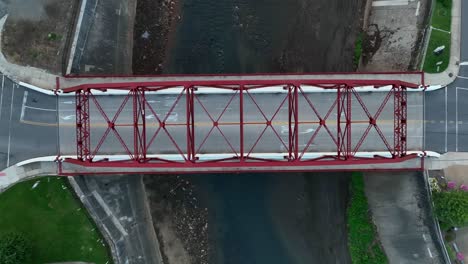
pixel 456 118
pixel 390 3
pixel 1 95
pixel 446 116
pixel 430 253
pixel 40 109
pixel 9 125
pixel 25 97
pixel 465 63
pixel 68 117
pixel 417 9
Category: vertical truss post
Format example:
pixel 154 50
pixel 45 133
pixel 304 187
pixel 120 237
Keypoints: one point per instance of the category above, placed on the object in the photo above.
pixel 241 121
pixel 293 122
pixel 344 101
pixel 139 124
pixel 400 121
pixel 191 155
pixel 83 143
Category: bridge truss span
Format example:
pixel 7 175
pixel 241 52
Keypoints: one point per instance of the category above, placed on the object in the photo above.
pixel 240 125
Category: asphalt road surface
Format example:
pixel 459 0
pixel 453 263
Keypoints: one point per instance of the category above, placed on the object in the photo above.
pixel 273 140
pixel 25 131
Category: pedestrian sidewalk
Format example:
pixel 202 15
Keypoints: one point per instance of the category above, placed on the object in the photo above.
pixel 14 174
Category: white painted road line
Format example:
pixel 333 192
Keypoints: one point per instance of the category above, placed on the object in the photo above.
pixel 446 116
pixel 40 109
pixel 456 118
pixel 9 125
pixel 430 253
pixel 390 3
pixel 1 95
pixel 465 63
pixel 417 9
pixel 25 98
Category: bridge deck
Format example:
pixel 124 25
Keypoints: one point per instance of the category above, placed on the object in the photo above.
pixel 217 121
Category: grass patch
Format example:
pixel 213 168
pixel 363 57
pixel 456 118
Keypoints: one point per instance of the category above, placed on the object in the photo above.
pixel 450 252
pixel 53 220
pixel 441 19
pixel 362 237
pixel 357 50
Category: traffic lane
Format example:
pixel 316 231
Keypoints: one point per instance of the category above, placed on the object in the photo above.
pixel 38 108
pixel 6 107
pixel 264 138
pixel 216 107
pixel 11 110
pixel 31 141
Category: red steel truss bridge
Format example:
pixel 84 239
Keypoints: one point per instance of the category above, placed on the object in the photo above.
pixel 241 124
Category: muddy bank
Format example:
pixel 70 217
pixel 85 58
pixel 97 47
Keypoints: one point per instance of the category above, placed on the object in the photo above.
pixel 245 36
pixel 180 220
pixel 155 24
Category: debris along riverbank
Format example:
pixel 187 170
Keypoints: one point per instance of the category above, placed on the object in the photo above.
pixel 155 23
pixel 180 222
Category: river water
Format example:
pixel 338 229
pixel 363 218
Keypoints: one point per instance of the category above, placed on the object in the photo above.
pixel 269 218
pixel 251 36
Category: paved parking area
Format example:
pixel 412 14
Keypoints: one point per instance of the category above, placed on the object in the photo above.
pixel 400 209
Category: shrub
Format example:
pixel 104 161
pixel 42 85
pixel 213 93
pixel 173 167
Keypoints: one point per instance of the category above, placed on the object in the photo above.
pixel 14 248
pixel 452 207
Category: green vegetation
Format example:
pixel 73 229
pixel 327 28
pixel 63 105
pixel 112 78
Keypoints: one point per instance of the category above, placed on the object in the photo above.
pixel 15 248
pixel 357 50
pixel 50 217
pixel 451 207
pixel 362 238
pixel 450 251
pixel 440 22
pixel 53 36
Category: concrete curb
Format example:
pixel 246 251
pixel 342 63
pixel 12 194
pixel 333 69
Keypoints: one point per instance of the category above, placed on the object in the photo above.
pixel 207 90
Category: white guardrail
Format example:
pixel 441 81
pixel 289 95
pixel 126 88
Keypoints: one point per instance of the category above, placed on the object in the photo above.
pixel 208 90
pixel 207 157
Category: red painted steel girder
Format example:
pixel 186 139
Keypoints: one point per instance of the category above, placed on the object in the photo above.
pixel 240 155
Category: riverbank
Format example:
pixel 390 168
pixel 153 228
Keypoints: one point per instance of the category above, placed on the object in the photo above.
pixel 240 36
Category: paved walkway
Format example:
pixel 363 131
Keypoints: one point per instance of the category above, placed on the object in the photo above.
pixel 401 211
